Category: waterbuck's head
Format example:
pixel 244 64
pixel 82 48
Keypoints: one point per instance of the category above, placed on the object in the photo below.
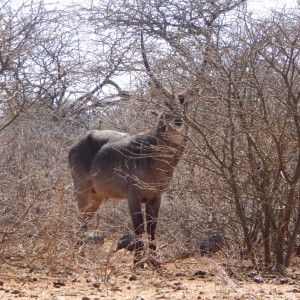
pixel 170 123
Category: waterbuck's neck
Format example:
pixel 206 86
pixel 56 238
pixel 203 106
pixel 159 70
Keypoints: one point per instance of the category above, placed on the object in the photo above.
pixel 170 146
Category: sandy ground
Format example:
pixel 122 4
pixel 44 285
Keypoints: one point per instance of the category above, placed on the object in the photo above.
pixel 190 278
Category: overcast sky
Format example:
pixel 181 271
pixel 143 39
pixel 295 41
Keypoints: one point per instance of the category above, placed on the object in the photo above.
pixel 253 4
pixel 262 5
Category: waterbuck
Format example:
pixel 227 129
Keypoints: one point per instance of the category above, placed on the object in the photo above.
pixel 139 167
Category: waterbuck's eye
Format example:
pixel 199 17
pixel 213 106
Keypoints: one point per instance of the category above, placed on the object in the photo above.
pixel 181 99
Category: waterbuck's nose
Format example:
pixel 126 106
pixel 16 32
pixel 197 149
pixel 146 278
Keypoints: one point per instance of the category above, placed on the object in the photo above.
pixel 178 122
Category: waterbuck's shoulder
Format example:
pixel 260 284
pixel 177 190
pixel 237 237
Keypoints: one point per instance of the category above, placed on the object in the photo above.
pixel 134 146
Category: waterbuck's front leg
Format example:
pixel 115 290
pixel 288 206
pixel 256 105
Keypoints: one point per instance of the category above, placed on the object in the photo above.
pixel 135 209
pixel 152 210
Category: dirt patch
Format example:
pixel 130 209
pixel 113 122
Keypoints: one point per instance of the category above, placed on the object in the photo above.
pixel 190 278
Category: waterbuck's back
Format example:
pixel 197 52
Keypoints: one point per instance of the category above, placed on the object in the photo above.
pixel 143 163
pixel 83 152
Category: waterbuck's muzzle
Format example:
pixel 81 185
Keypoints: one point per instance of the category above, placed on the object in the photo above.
pixel 178 122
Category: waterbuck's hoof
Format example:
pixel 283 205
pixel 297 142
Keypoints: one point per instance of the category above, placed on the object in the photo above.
pixel 127 241
pixel 94 238
pixel 153 262
pixel 138 263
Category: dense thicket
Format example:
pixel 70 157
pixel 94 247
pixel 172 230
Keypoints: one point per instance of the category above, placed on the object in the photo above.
pixel 66 70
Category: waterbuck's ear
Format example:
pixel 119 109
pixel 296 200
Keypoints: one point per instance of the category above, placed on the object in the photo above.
pixel 161 126
pixel 181 99
pixel 184 100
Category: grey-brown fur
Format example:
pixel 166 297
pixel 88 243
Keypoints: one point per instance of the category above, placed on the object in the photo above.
pixel 108 164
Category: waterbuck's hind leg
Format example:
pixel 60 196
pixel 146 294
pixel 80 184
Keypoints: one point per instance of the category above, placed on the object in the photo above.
pixel 135 210
pixel 88 203
pixel 152 211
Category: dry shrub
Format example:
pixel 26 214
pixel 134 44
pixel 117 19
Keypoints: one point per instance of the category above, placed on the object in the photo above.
pixel 37 211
